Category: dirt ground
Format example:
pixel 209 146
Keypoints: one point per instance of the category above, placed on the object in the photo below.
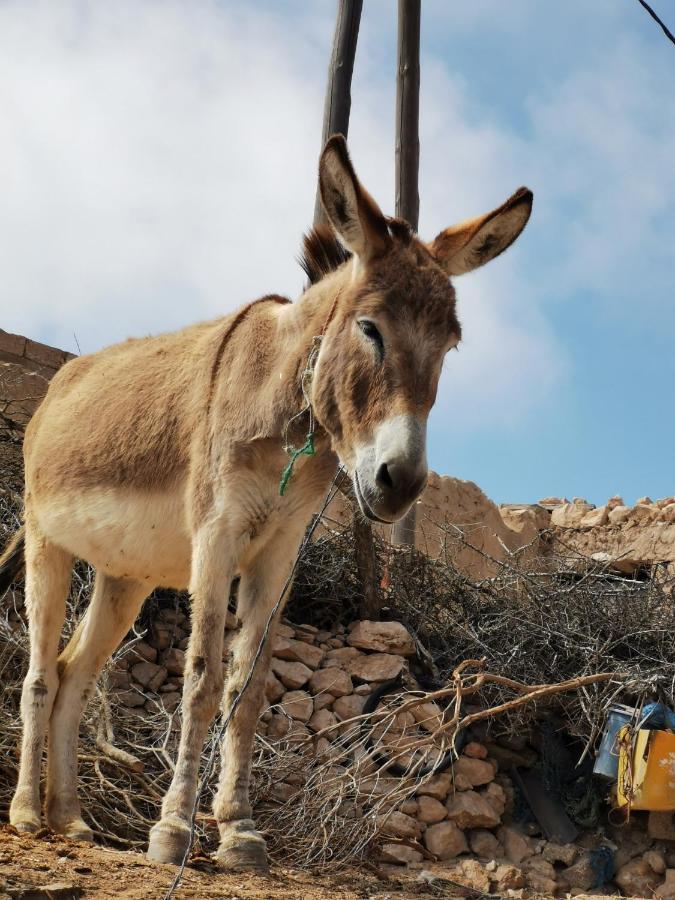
pixel 29 864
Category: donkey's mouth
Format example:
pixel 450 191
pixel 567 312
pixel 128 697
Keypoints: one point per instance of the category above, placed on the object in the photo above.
pixel 366 509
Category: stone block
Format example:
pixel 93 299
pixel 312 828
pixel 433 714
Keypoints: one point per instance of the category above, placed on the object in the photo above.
pixel 382 637
pixel 470 810
pixel 445 840
pixel 375 667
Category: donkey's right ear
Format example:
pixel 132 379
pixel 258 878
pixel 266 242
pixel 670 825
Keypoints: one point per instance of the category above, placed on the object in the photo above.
pixel 355 216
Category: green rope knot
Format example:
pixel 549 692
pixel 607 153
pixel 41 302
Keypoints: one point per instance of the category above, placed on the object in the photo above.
pixel 307 449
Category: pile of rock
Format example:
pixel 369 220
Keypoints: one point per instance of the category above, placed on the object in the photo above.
pixel 148 675
pixel 579 513
pixel 321 678
pixel 317 678
pixel 461 819
pixel 523 866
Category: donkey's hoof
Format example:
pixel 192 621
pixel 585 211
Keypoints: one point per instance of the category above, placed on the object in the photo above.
pixel 248 856
pixel 26 826
pixel 68 822
pixel 24 815
pixel 169 841
pixel 242 848
pixel 77 830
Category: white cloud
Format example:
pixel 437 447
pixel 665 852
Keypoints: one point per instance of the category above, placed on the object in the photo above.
pixel 157 166
pixel 609 133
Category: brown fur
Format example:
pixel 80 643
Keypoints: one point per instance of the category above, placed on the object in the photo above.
pixel 11 561
pixel 361 390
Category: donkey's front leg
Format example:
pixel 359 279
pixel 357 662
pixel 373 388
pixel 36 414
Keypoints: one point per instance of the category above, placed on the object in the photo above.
pixel 241 846
pixel 213 568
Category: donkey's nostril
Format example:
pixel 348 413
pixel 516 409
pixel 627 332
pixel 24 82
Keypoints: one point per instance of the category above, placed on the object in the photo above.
pixel 383 478
pixel 399 480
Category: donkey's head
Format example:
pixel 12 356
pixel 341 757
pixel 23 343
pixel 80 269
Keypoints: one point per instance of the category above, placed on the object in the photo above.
pixel 394 321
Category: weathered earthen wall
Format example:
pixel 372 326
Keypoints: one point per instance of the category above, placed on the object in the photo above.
pixel 26 368
pixel 458 521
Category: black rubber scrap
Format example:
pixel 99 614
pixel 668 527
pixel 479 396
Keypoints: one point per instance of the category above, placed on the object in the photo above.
pixel 392 767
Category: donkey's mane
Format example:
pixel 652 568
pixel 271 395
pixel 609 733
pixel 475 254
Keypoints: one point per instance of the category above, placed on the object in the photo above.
pixel 323 252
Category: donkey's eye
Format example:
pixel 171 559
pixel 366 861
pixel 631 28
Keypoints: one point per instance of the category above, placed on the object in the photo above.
pixel 371 332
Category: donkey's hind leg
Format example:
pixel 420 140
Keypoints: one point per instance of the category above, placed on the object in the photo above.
pixel 48 571
pixel 111 613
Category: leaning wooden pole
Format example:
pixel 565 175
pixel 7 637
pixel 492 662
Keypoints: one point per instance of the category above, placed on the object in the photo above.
pixel 338 102
pixel 408 111
pixel 408 160
pixel 337 108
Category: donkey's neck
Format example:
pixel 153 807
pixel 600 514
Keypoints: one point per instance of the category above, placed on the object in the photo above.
pixel 310 315
pixel 302 326
pixel 259 387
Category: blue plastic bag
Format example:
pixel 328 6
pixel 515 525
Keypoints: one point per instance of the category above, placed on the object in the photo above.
pixel 657 715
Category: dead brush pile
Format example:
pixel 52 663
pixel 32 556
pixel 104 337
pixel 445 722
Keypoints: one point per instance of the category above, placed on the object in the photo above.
pixel 537 620
pixel 533 623
pixel 542 620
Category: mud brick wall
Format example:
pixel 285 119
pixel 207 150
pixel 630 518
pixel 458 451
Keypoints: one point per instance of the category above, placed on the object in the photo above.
pixel 26 368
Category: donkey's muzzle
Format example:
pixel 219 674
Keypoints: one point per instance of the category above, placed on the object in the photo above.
pixel 391 472
pixel 400 484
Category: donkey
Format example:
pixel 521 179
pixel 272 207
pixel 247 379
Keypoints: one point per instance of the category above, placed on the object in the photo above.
pixel 158 461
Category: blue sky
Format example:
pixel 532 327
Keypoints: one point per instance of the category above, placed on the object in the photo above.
pixel 149 151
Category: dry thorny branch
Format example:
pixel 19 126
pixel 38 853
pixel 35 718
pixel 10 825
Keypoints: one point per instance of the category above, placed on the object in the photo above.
pixel 561 630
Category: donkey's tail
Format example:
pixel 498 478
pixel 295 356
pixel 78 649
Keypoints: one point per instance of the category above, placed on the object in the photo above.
pixel 11 560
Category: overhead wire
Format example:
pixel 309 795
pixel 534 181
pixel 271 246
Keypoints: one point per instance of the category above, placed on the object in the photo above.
pixel 668 33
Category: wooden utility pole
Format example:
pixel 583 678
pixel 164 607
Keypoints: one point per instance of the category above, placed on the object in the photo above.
pixel 408 161
pixel 366 566
pixel 338 103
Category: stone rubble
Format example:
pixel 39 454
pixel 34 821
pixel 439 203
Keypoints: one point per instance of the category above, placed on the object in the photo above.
pixel 625 538
pixel 461 818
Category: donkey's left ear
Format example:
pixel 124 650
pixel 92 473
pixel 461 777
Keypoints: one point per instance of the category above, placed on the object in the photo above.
pixel 355 216
pixel 471 244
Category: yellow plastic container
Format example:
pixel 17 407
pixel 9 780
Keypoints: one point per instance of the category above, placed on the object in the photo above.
pixel 647 776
